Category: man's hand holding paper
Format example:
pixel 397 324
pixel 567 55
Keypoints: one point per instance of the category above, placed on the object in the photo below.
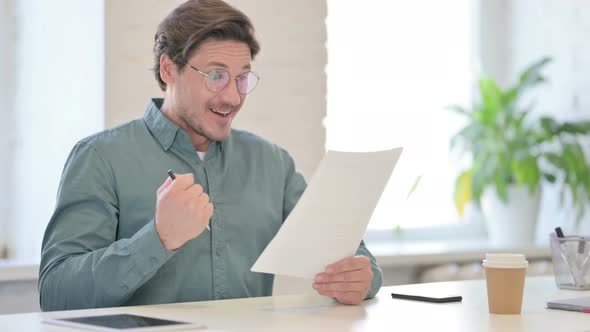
pixel 347 280
pixel 320 238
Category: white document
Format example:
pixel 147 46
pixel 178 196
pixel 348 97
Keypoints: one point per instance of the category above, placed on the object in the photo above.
pixel 331 217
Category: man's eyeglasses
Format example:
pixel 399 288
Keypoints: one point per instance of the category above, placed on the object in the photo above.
pixel 217 79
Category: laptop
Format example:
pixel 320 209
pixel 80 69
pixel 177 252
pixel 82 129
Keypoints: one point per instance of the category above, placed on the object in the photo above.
pixel 581 304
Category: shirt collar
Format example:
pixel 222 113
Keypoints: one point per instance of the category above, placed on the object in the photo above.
pixel 166 131
pixel 159 125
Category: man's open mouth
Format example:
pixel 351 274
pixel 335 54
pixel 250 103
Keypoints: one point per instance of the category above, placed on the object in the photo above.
pixel 223 114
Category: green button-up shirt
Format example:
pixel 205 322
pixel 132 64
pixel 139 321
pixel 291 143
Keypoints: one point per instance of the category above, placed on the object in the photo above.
pixel 101 248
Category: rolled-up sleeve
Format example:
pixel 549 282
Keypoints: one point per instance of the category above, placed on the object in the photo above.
pixel 377 272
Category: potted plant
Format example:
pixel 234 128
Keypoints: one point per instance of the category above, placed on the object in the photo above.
pixel 512 153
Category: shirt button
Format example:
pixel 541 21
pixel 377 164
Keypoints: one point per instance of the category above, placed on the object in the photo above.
pixel 218 251
pixel 154 261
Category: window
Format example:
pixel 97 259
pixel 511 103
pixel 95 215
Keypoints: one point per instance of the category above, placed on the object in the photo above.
pixel 393 67
pixel 54 93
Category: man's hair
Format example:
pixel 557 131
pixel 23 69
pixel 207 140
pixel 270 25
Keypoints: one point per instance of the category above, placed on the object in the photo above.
pixel 181 33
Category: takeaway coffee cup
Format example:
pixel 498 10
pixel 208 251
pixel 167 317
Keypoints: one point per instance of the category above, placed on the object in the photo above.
pixel 505 274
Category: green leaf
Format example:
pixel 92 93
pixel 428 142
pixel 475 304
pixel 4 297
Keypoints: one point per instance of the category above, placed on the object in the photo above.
pixel 572 188
pixel 467 136
pixel 501 186
pixel 463 191
pixel 582 128
pixel 582 168
pixel 550 177
pixel 510 96
pixel 576 175
pixel 555 160
pixel 485 116
pixel 585 178
pixel 549 128
pixel 491 98
pixel 459 109
pixel 543 131
pixel 484 167
pixel 518 122
pixel 527 172
pixel 570 162
pixel 577 154
pixel 414 186
pixel 532 75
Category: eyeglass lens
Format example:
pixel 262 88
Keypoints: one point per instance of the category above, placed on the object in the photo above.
pixel 217 80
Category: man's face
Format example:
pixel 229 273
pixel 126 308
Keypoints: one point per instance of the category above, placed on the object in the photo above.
pixel 202 112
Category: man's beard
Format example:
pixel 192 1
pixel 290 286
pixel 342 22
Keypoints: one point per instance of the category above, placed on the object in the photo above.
pixel 194 125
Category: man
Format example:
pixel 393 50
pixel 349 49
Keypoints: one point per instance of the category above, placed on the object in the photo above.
pixel 120 237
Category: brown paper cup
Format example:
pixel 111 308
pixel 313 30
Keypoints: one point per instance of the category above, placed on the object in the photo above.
pixel 505 289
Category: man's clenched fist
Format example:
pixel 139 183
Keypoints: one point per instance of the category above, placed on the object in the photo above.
pixel 183 211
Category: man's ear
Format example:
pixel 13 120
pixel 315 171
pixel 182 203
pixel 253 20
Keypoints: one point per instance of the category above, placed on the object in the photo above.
pixel 167 69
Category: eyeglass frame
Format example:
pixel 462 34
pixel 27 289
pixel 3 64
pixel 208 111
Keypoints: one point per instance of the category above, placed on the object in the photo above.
pixel 206 75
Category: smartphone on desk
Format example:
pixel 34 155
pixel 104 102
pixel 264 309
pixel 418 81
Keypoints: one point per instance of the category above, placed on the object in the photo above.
pixel 431 299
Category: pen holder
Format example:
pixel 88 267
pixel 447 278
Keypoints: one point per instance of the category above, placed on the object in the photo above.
pixel 571 261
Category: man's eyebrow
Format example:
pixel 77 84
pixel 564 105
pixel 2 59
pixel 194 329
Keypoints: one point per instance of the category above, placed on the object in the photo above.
pixel 223 65
pixel 216 64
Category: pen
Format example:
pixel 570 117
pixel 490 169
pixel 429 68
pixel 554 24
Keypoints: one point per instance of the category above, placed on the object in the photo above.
pixel 173 177
pixel 558 230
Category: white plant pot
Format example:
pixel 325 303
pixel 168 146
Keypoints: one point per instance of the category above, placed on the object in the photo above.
pixel 511 224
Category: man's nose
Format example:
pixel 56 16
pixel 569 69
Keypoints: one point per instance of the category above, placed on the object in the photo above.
pixel 230 95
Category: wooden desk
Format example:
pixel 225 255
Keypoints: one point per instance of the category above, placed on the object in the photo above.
pixel 314 313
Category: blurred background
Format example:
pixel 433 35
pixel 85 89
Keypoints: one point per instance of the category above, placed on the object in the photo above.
pixel 336 74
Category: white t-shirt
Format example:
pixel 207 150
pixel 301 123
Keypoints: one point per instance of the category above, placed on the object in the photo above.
pixel 202 154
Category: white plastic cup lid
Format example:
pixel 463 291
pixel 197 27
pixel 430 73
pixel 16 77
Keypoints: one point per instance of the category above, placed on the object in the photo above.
pixel 505 261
